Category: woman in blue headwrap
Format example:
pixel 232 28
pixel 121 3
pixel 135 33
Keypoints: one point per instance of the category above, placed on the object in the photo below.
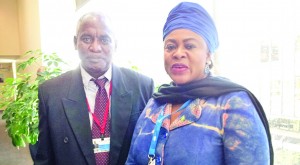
pixel 198 118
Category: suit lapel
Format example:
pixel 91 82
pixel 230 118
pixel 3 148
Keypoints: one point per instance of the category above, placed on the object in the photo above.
pixel 77 114
pixel 121 106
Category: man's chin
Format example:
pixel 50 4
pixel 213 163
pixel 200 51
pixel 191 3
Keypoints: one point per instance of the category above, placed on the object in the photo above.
pixel 99 68
pixel 97 63
pixel 96 71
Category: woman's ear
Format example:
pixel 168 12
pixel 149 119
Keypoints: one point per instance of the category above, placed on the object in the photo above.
pixel 209 60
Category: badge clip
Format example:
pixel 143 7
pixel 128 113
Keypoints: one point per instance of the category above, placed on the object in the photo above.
pixel 151 160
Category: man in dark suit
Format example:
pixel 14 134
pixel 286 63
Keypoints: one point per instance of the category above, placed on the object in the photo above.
pixel 65 126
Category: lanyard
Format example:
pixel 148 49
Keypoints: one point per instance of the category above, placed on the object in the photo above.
pixel 105 117
pixel 157 127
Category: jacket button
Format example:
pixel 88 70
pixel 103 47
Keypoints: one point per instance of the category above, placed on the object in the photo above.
pixel 66 140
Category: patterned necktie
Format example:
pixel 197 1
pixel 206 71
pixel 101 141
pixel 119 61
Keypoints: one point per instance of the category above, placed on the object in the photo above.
pixel 101 102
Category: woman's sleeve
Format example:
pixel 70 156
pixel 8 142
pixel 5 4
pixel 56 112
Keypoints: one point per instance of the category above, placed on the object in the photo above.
pixel 138 127
pixel 245 138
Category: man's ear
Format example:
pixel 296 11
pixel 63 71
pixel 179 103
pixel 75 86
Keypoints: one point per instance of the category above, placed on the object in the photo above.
pixel 75 42
pixel 115 44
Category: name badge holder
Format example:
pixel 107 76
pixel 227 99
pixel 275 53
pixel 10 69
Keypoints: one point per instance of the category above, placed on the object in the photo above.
pixel 159 121
pixel 101 145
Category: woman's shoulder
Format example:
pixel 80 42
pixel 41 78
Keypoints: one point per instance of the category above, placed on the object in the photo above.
pixel 236 94
pixel 231 100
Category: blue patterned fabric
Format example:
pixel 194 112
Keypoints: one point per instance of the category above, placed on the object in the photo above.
pixel 213 131
pixel 192 16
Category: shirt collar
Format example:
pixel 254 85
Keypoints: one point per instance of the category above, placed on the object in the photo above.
pixel 86 77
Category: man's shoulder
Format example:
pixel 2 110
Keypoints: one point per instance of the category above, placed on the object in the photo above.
pixel 133 81
pixel 64 77
pixel 129 73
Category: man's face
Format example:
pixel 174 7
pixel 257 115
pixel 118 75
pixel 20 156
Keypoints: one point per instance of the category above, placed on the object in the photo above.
pixel 95 44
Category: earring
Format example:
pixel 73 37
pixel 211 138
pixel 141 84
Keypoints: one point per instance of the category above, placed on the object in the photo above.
pixel 206 69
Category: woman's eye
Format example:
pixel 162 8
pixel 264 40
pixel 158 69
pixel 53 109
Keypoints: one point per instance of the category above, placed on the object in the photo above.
pixel 170 47
pixel 189 46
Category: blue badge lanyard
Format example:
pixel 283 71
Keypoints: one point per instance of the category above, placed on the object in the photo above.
pixel 157 127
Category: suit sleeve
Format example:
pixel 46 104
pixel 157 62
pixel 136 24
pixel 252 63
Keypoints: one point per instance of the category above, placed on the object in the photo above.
pixel 44 153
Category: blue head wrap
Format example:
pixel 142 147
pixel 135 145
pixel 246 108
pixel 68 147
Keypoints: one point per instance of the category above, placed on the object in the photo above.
pixel 192 16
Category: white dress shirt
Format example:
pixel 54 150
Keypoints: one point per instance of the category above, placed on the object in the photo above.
pixel 91 88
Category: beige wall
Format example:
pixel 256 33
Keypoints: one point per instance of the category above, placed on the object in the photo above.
pixel 20 27
pixel 29 30
pixel 29 25
pixel 9 25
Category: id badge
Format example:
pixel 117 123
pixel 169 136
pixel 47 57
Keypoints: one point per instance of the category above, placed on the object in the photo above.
pixel 101 145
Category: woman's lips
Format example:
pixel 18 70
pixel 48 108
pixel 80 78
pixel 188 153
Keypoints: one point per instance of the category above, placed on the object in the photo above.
pixel 178 68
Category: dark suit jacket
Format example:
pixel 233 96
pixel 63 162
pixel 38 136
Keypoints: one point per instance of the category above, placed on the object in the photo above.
pixel 65 136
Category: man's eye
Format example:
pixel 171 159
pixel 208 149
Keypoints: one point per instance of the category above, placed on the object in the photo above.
pixel 105 40
pixel 87 39
pixel 170 47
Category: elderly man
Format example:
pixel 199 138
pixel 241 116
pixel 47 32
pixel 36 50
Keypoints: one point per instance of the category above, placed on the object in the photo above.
pixel 87 115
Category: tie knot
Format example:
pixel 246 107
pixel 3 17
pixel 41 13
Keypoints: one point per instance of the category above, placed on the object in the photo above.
pixel 100 82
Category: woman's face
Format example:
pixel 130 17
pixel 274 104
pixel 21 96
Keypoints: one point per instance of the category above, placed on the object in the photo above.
pixel 185 56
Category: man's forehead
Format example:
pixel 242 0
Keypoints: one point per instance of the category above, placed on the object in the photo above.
pixel 94 21
pixel 94 30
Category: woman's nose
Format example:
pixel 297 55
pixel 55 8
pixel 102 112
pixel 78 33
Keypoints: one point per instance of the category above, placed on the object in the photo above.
pixel 179 53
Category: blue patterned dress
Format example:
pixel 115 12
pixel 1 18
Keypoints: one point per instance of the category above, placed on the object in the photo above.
pixel 214 131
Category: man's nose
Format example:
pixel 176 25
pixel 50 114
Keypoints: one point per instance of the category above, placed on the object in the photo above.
pixel 96 46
